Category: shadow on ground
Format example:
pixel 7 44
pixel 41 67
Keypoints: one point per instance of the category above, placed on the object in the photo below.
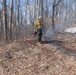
pixel 55 42
pixel 61 47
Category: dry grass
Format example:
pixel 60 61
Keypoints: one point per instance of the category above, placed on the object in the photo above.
pixel 27 57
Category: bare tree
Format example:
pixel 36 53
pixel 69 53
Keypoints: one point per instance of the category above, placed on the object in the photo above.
pixel 10 18
pixel 15 15
pixel 5 20
pixel 53 12
pixel 41 8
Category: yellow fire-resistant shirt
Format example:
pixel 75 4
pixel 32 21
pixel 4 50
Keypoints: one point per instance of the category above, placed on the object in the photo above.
pixel 38 25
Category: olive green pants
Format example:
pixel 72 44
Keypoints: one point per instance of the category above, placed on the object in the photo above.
pixel 39 31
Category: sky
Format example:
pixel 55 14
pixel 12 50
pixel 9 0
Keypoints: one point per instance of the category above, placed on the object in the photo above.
pixel 0 5
pixel 32 2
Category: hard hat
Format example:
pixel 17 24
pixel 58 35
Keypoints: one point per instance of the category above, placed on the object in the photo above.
pixel 40 17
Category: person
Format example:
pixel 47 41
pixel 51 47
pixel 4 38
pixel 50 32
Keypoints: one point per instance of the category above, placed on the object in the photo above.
pixel 38 29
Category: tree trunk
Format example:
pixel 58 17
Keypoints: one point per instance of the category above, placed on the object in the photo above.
pixel 5 20
pixel 53 12
pixel 41 8
pixel 53 25
pixel 10 18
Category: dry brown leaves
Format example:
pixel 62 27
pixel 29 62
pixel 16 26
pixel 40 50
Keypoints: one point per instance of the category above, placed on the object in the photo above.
pixel 27 57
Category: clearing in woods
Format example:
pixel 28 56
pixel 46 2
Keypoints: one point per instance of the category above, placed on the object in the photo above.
pixel 27 57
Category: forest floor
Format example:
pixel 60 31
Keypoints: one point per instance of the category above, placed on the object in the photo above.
pixel 27 57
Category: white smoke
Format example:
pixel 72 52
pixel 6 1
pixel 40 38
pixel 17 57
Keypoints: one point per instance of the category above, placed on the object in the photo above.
pixel 70 30
pixel 48 34
pixel 60 27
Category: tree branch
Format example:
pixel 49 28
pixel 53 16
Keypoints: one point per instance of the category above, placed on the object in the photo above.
pixel 54 2
pixel 0 2
pixel 57 3
pixel 6 5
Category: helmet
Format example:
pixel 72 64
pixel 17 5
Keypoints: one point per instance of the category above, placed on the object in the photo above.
pixel 40 17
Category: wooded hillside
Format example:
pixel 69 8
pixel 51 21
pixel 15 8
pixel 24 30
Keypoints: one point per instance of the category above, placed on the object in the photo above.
pixel 17 17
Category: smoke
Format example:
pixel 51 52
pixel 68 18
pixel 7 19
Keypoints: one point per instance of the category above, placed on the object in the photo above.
pixel 48 34
pixel 59 28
